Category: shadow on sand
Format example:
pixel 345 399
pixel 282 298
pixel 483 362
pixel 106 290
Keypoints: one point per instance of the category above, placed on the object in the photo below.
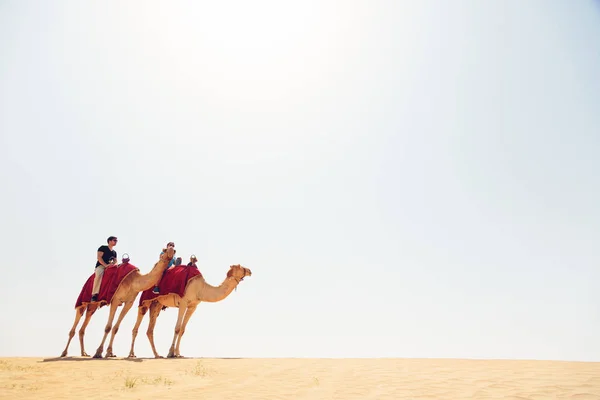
pixel 90 359
pixel 53 359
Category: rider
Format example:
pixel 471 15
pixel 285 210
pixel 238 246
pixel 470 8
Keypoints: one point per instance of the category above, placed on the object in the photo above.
pixel 171 262
pixel 124 259
pixel 193 261
pixel 105 253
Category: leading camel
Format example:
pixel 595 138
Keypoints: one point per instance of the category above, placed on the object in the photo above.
pixel 127 291
pixel 196 291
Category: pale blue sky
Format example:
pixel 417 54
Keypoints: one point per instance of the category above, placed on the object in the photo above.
pixel 404 179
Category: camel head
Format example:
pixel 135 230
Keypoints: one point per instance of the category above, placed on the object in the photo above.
pixel 167 254
pixel 238 272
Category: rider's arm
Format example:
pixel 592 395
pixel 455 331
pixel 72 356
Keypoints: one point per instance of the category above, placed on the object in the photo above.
pixel 100 260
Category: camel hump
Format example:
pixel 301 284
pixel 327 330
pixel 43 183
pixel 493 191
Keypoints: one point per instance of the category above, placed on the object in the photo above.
pixel 174 281
pixel 111 280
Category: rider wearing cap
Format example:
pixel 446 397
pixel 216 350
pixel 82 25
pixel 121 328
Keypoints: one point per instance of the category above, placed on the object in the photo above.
pixel 193 261
pixel 124 259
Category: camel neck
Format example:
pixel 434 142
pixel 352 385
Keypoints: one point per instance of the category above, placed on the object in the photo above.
pixel 212 294
pixel 150 279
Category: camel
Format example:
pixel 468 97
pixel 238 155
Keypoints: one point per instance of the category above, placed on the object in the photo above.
pixel 196 291
pixel 127 292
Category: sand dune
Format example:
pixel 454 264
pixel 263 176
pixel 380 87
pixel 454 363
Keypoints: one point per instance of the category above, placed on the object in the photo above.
pixel 77 378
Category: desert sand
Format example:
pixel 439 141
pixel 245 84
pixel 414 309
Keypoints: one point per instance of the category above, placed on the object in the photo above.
pixel 85 378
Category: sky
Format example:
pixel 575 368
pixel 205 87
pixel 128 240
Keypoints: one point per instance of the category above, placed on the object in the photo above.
pixel 404 179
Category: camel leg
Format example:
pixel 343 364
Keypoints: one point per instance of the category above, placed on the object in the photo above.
pixel 182 308
pixel 115 328
pixel 78 314
pixel 111 317
pixel 91 309
pixel 186 318
pixel 155 307
pixel 134 332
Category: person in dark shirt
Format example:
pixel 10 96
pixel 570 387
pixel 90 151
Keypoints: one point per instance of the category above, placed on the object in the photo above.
pixel 105 253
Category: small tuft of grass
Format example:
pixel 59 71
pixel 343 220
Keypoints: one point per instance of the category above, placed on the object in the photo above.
pixel 130 382
pixel 159 380
pixel 166 382
pixel 120 373
pixel 6 366
pixel 200 369
pixel 33 388
pixel 26 387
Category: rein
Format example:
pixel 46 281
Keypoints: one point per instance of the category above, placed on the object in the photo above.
pixel 238 281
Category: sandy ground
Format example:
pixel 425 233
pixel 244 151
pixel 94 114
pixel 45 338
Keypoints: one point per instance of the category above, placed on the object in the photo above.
pixel 78 378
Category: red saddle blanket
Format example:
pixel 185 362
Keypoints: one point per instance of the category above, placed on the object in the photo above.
pixel 112 278
pixel 174 281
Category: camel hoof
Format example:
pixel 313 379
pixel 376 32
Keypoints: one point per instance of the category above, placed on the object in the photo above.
pixel 111 355
pixel 157 356
pixel 64 354
pixel 84 354
pixel 131 355
pixel 97 355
